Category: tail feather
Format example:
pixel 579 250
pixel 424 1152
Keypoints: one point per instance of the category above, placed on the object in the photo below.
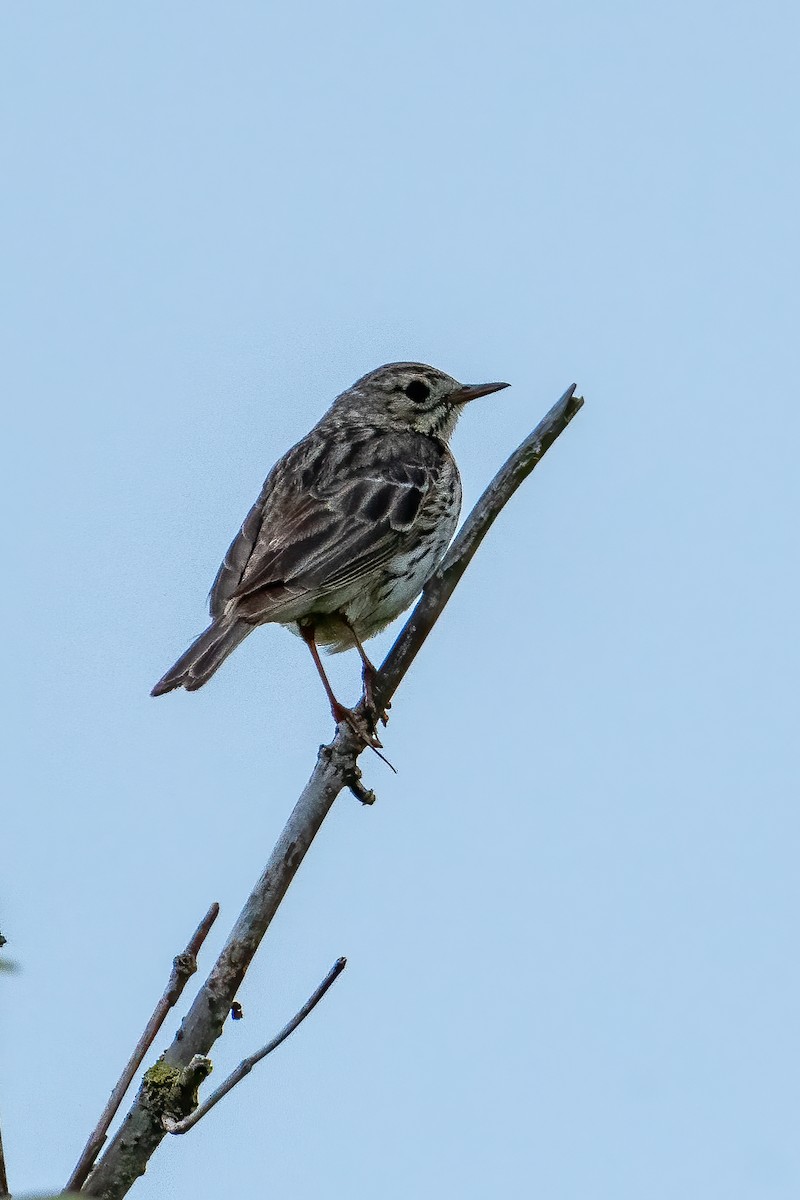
pixel 204 656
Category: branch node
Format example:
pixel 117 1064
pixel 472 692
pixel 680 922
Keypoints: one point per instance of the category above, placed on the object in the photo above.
pixel 352 779
pixel 184 966
pixel 170 1093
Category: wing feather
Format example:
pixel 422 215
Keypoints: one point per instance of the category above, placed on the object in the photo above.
pixel 330 513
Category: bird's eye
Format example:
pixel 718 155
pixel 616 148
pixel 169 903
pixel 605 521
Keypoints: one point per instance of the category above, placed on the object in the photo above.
pixel 417 391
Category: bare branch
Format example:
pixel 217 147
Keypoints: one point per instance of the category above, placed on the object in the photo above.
pixel 128 1152
pixel 246 1065
pixel 4 1192
pixel 183 967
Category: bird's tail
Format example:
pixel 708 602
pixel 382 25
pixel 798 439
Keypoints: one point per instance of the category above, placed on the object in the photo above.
pixel 206 653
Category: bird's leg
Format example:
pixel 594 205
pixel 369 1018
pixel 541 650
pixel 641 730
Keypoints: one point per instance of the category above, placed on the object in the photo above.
pixel 339 711
pixel 369 674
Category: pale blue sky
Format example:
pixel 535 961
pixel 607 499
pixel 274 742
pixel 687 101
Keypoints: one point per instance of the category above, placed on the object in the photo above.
pixel 572 917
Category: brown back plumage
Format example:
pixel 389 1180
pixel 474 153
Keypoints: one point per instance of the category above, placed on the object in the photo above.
pixel 332 511
pixel 350 523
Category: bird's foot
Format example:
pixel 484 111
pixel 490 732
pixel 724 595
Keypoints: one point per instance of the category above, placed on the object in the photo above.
pixel 361 727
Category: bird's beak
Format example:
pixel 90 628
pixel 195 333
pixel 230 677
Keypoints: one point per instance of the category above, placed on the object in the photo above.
pixel 471 391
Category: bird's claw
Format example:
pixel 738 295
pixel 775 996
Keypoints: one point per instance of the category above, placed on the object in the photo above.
pixel 358 724
pixel 376 714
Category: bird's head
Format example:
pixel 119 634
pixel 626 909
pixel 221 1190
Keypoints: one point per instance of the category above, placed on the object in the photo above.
pixel 410 396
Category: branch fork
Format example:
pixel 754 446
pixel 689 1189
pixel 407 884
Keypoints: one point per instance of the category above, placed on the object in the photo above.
pixel 246 1065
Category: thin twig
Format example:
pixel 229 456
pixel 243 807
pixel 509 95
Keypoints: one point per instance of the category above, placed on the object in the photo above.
pixel 4 1192
pixel 183 967
pixel 128 1153
pixel 247 1064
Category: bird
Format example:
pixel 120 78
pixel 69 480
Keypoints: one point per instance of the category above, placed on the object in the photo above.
pixel 349 526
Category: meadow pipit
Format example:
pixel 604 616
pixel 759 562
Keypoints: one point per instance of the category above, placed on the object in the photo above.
pixel 349 526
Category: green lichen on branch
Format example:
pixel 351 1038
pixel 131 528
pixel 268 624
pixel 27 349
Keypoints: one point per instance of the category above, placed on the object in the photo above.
pixel 171 1092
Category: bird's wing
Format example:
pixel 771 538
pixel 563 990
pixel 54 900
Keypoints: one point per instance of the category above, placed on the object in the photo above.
pixel 330 512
